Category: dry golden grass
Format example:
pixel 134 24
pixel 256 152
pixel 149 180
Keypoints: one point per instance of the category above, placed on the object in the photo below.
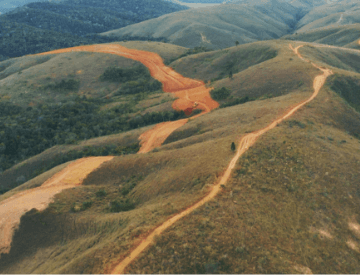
pixel 293 189
pixel 287 205
pixel 254 74
pixel 162 188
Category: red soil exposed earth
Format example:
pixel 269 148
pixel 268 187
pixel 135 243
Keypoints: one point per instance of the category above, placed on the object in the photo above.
pixel 192 94
pixel 244 144
pixel 13 208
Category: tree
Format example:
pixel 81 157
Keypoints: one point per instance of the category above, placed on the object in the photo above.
pixel 236 43
pixel 233 146
pixel 230 74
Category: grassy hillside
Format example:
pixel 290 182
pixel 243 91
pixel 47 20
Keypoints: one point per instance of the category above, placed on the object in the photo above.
pixel 209 27
pixel 330 15
pixel 63 99
pixel 289 207
pixel 342 59
pixel 259 70
pixel 343 36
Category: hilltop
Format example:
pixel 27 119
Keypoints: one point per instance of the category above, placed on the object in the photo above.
pixel 289 205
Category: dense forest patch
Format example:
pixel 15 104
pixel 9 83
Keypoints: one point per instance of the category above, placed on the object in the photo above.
pixel 25 132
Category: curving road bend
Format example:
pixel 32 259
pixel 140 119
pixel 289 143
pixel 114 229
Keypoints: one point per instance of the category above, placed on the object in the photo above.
pixel 187 90
pixel 13 208
pixel 244 144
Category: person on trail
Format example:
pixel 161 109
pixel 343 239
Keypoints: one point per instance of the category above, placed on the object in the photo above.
pixel 233 146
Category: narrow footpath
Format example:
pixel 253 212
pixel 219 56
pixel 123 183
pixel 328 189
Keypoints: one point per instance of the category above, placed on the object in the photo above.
pixel 244 144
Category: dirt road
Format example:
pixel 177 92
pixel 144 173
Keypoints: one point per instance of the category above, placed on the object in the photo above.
pixel 39 198
pixel 244 144
pixel 187 90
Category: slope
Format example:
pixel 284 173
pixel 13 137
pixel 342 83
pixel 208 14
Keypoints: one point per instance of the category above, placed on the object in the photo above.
pixel 344 36
pixel 286 199
pixel 73 237
pixel 62 99
pixel 160 190
pixel 334 14
pixel 218 27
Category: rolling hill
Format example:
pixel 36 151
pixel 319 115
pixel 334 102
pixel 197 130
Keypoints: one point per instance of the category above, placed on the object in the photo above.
pixel 333 14
pixel 290 204
pixel 218 27
pixel 345 36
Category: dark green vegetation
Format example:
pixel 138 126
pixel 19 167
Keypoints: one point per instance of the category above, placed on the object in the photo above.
pixel 27 132
pixel 348 88
pixel 224 97
pixel 220 94
pixel 64 85
pixel 143 82
pixel 43 26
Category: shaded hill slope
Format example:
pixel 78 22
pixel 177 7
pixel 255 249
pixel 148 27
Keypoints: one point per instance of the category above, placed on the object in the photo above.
pixel 220 26
pixel 293 196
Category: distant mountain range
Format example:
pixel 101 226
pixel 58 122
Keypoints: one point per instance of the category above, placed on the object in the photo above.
pixel 41 26
pixel 245 21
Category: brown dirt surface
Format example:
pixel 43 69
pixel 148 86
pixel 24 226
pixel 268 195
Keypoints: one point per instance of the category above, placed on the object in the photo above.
pixel 187 90
pixel 244 144
pixel 13 208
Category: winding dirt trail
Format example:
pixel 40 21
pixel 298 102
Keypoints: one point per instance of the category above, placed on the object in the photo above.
pixel 39 198
pixel 244 144
pixel 187 90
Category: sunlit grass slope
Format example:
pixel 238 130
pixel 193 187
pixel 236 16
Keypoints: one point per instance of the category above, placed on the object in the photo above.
pixel 290 205
pixel 261 69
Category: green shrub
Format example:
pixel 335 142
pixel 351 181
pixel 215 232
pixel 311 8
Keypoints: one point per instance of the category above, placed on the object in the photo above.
pixel 127 188
pixel 220 94
pixel 293 123
pixel 65 85
pixel 86 205
pixel 116 74
pixel 119 206
pixel 101 193
pixel 236 101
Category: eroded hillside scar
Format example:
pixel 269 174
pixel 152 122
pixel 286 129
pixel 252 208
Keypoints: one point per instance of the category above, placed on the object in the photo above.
pixel 244 144
pixel 188 91
pixel 13 208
